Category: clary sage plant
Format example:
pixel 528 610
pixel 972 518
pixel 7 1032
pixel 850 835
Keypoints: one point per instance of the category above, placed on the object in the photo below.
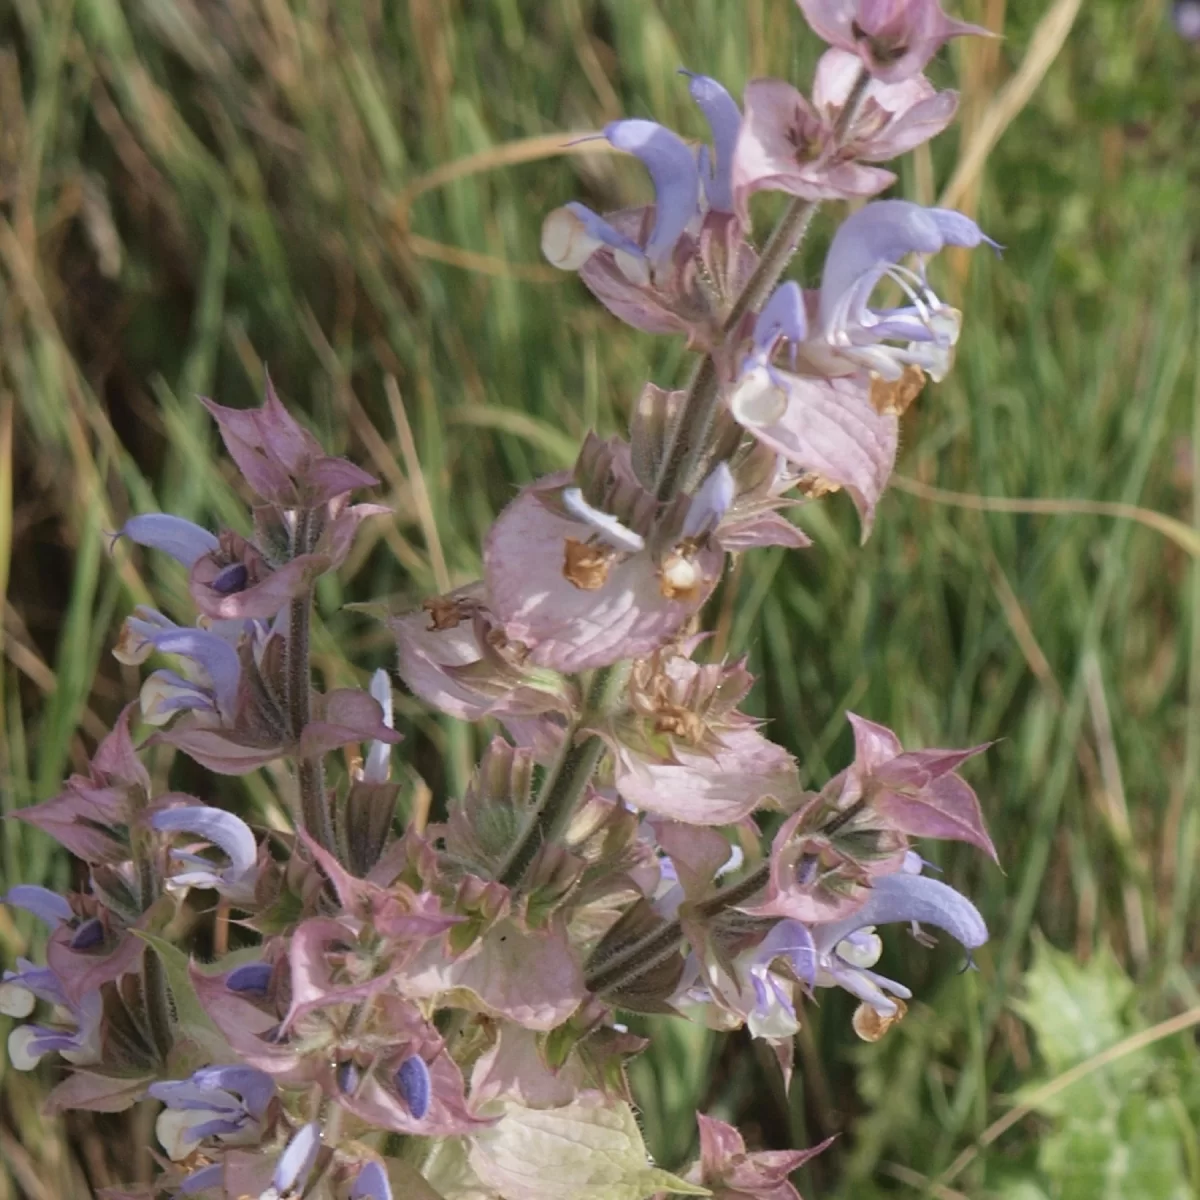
pixel 436 1011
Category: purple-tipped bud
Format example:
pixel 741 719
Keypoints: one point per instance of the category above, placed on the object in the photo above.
pixel 414 1085
pixel 250 979
pixel 371 1184
pixel 348 1077
pixel 712 501
pixel 89 935
pixel 231 579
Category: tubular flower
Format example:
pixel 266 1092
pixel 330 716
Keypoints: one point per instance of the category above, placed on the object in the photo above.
pixel 677 265
pixel 76 1033
pixel 230 834
pixel 846 949
pixel 836 418
pixel 224 1103
pixel 894 39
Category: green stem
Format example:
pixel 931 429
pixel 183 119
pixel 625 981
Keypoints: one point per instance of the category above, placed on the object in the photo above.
pixel 310 772
pixel 567 781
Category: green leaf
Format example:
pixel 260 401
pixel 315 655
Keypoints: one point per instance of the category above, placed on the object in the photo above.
pixel 589 1150
pixel 194 1023
pixel 1076 1010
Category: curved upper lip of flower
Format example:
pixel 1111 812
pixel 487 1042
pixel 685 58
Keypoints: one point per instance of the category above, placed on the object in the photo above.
pixel 904 897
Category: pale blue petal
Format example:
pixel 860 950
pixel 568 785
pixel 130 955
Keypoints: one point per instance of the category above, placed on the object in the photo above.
pixel 712 501
pixel 672 167
pixel 297 1158
pixel 182 540
pixel 903 897
pixel 48 906
pixel 371 1184
pixel 724 119
pixel 223 829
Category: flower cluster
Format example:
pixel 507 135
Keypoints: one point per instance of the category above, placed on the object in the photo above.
pixel 436 1010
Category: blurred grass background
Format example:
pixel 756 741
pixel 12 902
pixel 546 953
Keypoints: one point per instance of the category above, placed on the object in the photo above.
pixel 192 188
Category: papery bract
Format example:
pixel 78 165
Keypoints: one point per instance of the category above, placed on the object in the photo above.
pixel 894 39
pixel 733 1173
pixel 280 460
pixel 90 815
pixel 915 792
pixel 791 145
pixel 562 588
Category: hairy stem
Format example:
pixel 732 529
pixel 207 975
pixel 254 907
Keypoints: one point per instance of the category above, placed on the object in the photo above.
pixel 647 952
pixel 310 772
pixel 686 458
pixel 567 781
pixel 158 1002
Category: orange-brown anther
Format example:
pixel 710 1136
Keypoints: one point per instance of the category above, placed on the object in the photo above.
pixel 893 398
pixel 586 564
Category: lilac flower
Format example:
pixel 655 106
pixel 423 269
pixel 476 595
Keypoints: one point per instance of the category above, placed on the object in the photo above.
pixel 894 39
pixel 46 905
pixel 846 949
pixel 212 672
pixel 792 942
pixel 842 430
pixel 224 830
pixel 183 540
pixel 674 266
pixel 573 233
pixel 227 1103
pixel 867 248
pixel 21 989
pixel 28 1044
pixel 371 1183
pixel 295 1163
